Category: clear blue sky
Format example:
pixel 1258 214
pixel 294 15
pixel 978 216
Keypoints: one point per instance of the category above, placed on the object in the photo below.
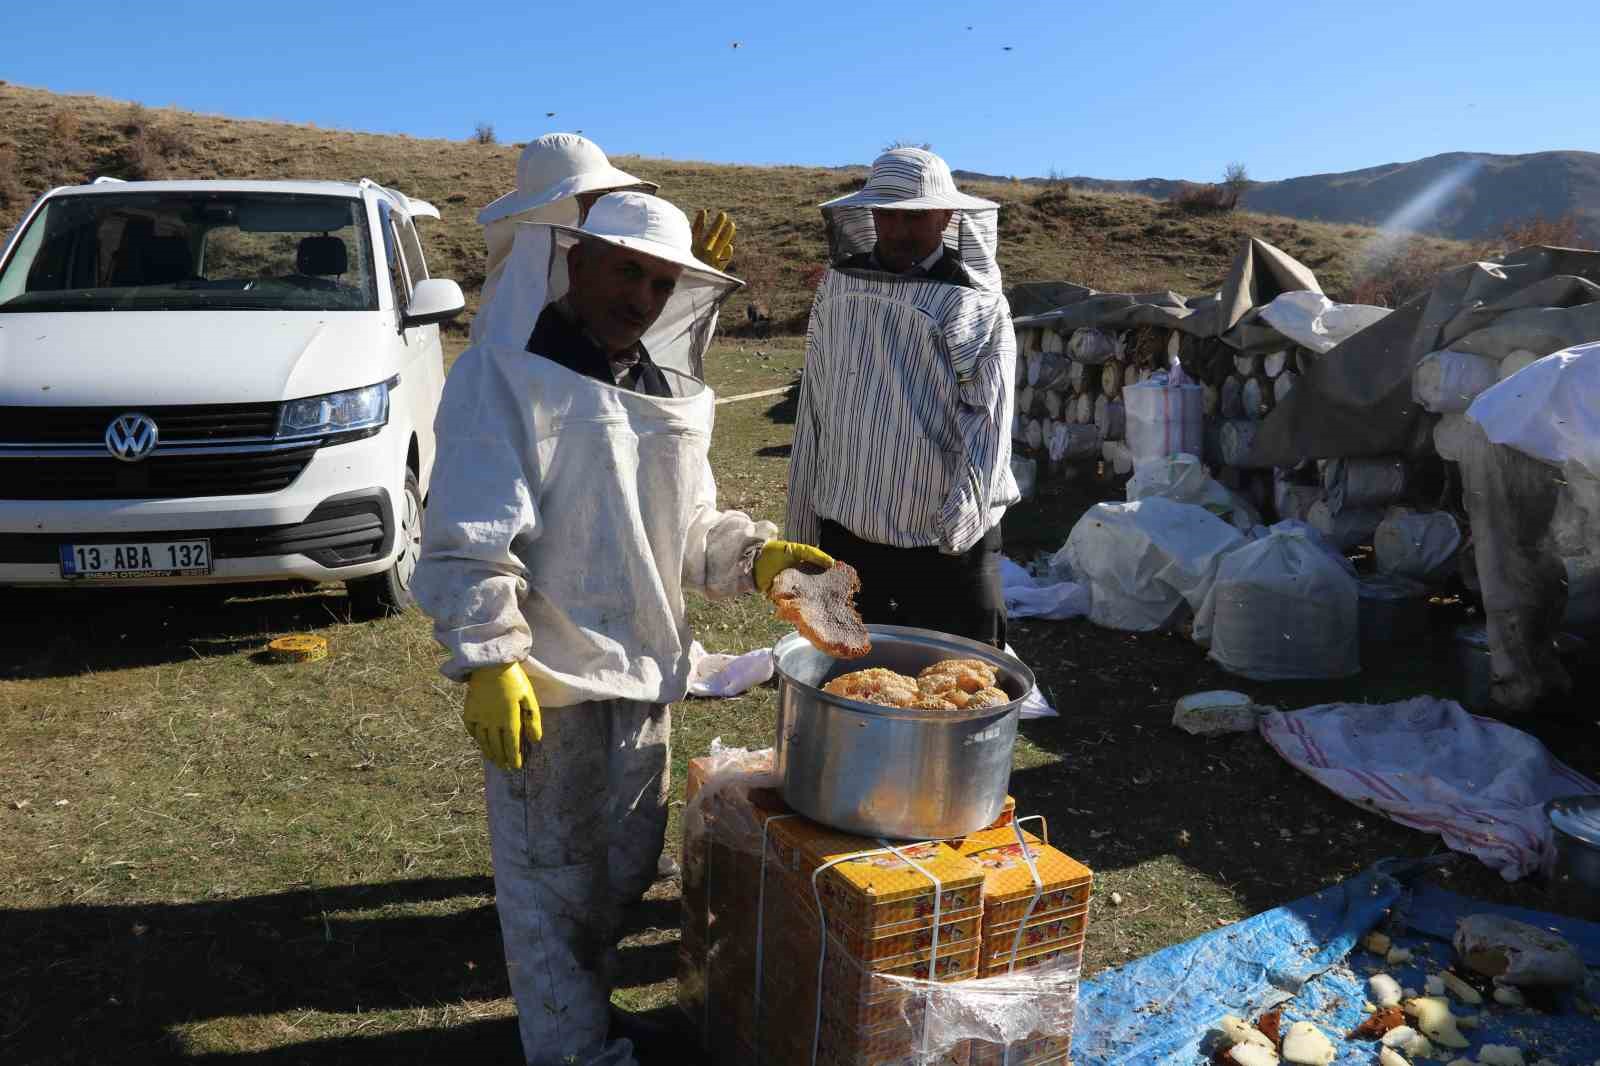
pixel 1103 89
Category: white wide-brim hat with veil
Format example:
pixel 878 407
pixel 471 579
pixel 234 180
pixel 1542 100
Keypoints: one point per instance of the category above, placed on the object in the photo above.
pixel 650 225
pixel 552 172
pixel 912 179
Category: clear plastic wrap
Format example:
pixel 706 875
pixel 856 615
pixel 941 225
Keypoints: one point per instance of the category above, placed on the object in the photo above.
pixel 780 964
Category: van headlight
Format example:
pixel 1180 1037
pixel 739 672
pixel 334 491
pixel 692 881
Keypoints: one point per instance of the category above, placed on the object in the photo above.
pixel 359 412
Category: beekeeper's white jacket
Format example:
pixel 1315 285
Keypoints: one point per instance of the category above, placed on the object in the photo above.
pixel 567 516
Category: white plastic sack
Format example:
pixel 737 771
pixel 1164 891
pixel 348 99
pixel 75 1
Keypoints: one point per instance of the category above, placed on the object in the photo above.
pixel 1071 441
pixel 1281 609
pixel 1517 360
pixel 1363 483
pixel 1110 418
pixel 1311 533
pixel 1090 345
pixel 1183 479
pixel 1236 438
pixel 1350 528
pixel 1448 437
pixel 1316 322
pixel 1116 453
pixel 1292 500
pixel 1548 410
pixel 1428 764
pixel 1163 419
pixel 1144 561
pixel 1420 545
pixel 1446 382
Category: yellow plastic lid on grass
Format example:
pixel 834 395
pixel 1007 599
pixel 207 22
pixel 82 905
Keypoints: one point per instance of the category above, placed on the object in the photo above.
pixel 298 648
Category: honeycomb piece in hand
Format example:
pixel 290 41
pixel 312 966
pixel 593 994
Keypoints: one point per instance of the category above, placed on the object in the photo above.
pixel 822 607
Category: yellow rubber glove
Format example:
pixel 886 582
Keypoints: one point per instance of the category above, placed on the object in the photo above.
pixel 713 239
pixel 780 555
pixel 501 710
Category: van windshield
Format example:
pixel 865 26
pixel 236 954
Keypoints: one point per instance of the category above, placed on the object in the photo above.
pixel 187 251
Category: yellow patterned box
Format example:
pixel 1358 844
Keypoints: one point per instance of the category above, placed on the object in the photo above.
pixel 1066 953
pixel 879 889
pixel 1008 814
pixel 1008 886
pixel 957 931
pixel 1040 929
pixel 1037 1051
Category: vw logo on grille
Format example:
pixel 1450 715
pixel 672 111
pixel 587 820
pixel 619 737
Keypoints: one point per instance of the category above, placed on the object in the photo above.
pixel 131 437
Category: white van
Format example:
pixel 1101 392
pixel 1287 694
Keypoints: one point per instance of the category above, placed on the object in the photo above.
pixel 219 381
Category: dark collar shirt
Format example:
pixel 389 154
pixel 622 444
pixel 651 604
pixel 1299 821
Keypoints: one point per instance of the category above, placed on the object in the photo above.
pixel 562 340
pixel 942 265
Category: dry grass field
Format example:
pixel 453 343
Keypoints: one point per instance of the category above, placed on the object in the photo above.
pixel 1111 242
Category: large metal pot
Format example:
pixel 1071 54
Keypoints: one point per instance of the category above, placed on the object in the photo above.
pixel 884 772
pixel 1575 830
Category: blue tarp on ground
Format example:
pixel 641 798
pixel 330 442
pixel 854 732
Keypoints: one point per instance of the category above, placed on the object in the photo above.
pixel 1298 957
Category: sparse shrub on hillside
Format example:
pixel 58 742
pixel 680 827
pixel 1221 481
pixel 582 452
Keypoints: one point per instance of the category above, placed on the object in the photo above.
pixel 483 133
pixel 12 192
pixel 1390 278
pixel 150 148
pixel 1201 198
pixel 1236 179
pixel 64 150
pixel 1563 232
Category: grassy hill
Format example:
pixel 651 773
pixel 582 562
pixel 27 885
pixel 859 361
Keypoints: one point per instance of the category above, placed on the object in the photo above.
pixel 1109 241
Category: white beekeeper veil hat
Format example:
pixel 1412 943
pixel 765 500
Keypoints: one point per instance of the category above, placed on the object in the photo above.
pixel 552 172
pixel 650 225
pixel 559 166
pixel 913 179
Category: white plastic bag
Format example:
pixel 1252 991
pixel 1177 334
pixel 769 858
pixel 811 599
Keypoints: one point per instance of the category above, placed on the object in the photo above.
pixel 1548 410
pixel 1163 419
pixel 1448 437
pixel 1183 478
pixel 1446 382
pixel 1144 561
pixel 1350 528
pixel 1281 609
pixel 1316 322
pixel 1069 440
pixel 1090 345
pixel 1363 483
pixel 1421 545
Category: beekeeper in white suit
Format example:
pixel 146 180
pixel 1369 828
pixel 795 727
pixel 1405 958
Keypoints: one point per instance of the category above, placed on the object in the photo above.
pixel 559 176
pixel 572 503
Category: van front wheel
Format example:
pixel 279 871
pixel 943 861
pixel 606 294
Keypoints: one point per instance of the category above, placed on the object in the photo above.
pixel 389 593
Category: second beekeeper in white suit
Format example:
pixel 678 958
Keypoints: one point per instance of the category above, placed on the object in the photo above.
pixel 572 505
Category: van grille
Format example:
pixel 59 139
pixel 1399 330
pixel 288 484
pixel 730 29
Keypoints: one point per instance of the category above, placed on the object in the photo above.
pixel 157 478
pixel 87 425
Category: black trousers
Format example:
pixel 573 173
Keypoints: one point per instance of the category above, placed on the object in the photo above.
pixel 924 588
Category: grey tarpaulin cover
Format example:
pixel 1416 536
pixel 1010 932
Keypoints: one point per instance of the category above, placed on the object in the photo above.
pixel 1073 307
pixel 1260 274
pixel 1356 400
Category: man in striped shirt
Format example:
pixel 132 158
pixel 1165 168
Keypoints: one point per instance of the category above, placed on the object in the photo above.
pixel 902 454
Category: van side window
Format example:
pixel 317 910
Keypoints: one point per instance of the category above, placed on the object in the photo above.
pixel 411 249
pixel 391 255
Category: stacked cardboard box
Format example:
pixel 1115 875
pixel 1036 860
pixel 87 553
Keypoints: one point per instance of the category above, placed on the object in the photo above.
pixel 877 916
pixel 772 979
pixel 1022 934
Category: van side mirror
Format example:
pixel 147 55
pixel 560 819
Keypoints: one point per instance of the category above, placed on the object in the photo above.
pixel 433 300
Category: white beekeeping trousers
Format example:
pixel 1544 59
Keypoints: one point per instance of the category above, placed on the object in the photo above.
pixel 576 835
